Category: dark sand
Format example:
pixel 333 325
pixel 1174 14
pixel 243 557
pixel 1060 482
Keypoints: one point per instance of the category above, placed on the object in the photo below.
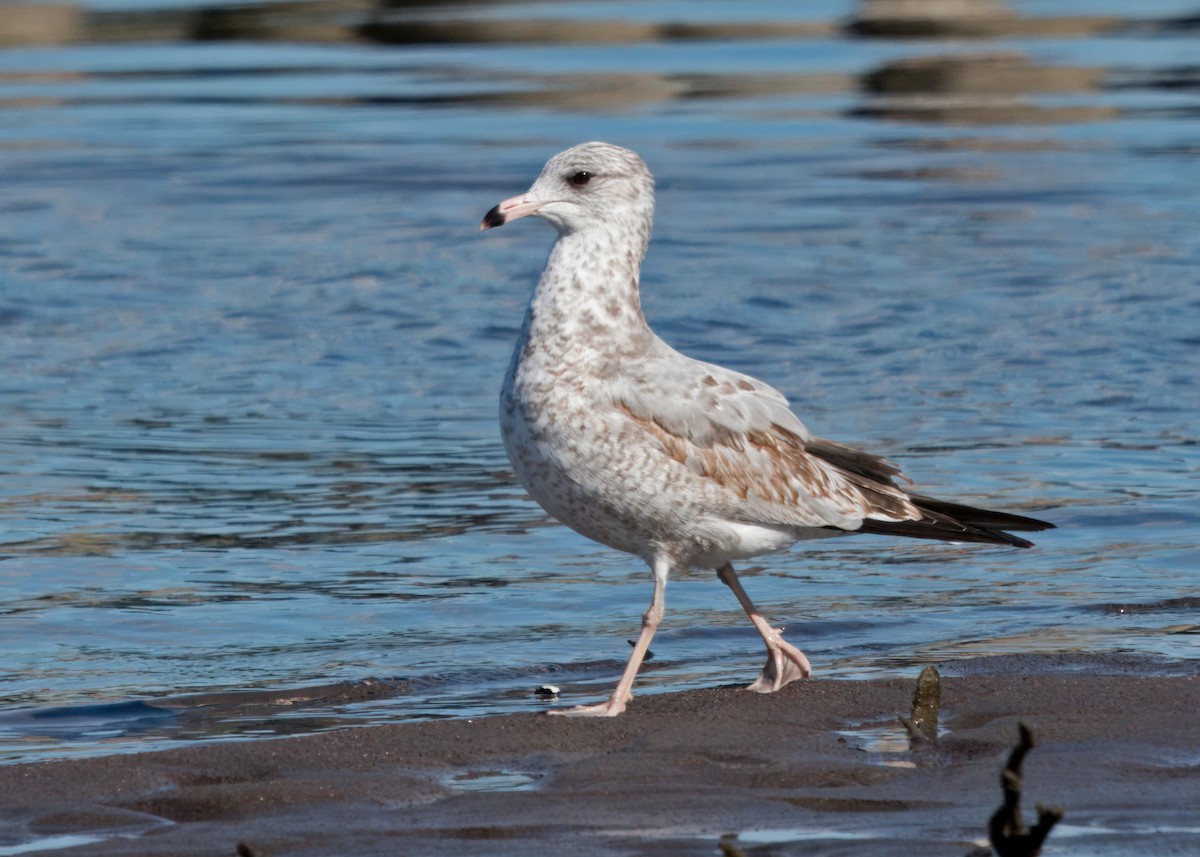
pixel 1118 749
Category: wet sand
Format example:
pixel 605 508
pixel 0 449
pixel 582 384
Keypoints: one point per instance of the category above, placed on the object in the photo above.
pixel 821 767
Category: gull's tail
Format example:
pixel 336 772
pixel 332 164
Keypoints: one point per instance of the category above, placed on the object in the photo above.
pixel 940 519
pixel 954 522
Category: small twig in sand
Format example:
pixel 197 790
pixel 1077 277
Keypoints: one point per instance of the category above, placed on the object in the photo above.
pixel 922 725
pixel 1006 830
pixel 728 846
pixel 649 656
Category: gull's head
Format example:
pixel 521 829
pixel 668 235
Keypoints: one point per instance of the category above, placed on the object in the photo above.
pixel 587 185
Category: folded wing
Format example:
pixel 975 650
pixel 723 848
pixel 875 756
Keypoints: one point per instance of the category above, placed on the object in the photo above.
pixel 740 434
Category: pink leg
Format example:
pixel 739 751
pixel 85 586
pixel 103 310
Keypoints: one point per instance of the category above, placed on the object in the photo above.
pixel 650 622
pixel 785 663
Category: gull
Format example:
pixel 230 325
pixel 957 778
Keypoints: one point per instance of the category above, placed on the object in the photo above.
pixel 683 463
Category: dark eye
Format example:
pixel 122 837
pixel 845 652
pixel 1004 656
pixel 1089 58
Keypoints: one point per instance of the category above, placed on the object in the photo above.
pixel 579 179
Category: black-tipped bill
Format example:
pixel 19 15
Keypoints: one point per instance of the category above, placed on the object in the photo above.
pixel 509 210
pixel 493 219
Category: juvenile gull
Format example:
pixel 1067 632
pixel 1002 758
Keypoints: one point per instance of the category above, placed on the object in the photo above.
pixel 681 462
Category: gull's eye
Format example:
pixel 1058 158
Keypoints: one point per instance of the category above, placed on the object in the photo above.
pixel 579 179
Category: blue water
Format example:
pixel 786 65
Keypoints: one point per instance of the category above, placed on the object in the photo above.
pixel 251 341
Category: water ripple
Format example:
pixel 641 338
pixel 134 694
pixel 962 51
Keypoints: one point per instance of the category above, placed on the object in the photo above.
pixel 252 340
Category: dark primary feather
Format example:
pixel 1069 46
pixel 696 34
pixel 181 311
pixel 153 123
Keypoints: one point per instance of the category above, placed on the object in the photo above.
pixel 941 519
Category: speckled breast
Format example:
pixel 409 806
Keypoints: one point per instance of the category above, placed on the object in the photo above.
pixel 582 466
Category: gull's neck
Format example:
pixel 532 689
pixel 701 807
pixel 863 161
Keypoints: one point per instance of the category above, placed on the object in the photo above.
pixel 587 301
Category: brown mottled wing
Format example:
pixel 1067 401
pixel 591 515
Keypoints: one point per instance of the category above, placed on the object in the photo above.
pixel 740 434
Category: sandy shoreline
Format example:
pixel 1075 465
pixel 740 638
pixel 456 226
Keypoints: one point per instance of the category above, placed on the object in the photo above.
pixel 819 768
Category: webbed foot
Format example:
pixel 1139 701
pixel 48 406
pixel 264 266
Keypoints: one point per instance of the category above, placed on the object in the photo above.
pixel 611 708
pixel 785 664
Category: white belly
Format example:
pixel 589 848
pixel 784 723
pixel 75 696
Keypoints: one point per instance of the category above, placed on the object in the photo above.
pixel 599 475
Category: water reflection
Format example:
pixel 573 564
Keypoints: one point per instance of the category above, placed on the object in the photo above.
pixel 429 22
pixel 970 19
pixel 335 21
pixel 965 86
pixel 977 88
